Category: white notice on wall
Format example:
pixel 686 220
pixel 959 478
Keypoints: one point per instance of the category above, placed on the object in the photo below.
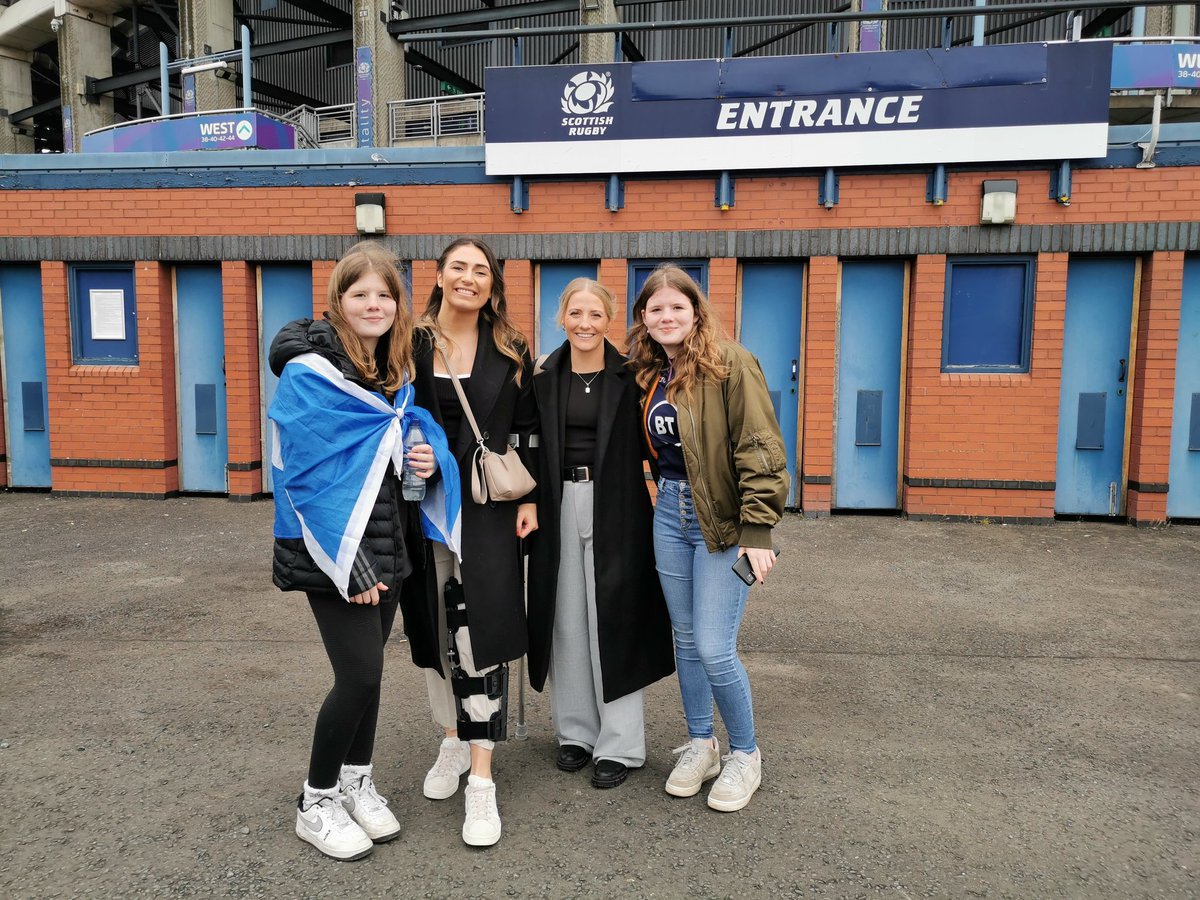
pixel 108 315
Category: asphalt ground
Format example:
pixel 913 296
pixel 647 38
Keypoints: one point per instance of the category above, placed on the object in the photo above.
pixel 944 710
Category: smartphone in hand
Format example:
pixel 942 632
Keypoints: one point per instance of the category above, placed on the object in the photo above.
pixel 743 570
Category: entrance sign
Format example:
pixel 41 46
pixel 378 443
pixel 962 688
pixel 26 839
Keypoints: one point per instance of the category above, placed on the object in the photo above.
pixel 968 104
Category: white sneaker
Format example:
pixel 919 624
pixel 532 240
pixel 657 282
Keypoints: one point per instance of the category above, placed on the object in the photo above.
pixel 453 762
pixel 481 828
pixel 324 823
pixel 365 805
pixel 701 760
pixel 738 782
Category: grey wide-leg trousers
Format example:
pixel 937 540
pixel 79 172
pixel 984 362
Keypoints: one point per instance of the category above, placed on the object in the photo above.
pixel 613 730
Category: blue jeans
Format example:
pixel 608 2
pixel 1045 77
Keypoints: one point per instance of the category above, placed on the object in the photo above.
pixel 706 601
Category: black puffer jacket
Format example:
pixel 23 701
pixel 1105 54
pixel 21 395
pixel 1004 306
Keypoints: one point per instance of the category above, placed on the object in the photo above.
pixel 394 525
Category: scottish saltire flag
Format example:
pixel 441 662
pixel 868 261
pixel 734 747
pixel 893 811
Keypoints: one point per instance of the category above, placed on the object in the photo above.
pixel 333 440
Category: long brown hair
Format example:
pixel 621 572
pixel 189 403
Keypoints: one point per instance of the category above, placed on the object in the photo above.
pixel 508 339
pixel 699 358
pixel 394 349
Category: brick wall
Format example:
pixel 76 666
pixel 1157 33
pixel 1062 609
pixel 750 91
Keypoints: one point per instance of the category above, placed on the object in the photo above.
pixel 1154 385
pixel 973 445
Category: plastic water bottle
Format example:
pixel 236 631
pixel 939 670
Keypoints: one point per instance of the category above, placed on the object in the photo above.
pixel 412 485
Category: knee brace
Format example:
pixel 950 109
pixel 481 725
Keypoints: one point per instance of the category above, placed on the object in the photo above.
pixel 493 685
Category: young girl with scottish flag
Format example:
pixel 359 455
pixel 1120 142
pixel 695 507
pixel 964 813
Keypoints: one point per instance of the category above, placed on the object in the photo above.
pixel 343 532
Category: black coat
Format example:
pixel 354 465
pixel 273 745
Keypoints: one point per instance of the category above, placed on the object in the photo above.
pixel 634 627
pixel 393 525
pixel 491 552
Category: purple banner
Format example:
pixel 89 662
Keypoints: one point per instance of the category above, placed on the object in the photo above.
pixel 870 31
pixel 204 131
pixel 189 92
pixel 364 107
pixel 68 129
pixel 1155 66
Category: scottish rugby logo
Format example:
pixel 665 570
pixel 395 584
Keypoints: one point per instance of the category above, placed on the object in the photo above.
pixel 584 97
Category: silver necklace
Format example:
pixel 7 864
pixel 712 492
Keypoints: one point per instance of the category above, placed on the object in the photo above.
pixel 587 382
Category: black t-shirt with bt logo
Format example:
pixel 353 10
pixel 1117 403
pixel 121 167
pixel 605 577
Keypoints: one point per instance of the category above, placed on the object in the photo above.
pixel 663 429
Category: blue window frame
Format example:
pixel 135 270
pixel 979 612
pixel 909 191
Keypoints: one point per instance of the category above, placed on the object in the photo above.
pixel 103 315
pixel 640 270
pixel 987 321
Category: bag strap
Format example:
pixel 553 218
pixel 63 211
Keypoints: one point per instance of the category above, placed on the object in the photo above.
pixel 462 397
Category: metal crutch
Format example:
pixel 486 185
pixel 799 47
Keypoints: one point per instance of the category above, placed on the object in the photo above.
pixel 519 732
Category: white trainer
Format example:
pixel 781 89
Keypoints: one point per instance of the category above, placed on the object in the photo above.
pixel 739 780
pixel 326 825
pixel 481 828
pixel 701 760
pixel 453 762
pixel 365 805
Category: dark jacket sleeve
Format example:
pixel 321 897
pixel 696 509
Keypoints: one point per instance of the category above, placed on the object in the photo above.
pixel 525 423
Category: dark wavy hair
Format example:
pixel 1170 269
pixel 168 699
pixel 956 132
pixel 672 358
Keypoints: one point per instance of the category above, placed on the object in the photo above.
pixel 508 338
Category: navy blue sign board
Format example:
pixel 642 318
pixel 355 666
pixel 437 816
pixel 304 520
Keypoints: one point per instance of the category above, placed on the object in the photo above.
pixel 968 104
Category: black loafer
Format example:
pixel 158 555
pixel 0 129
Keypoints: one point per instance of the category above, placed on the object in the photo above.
pixel 609 773
pixel 572 757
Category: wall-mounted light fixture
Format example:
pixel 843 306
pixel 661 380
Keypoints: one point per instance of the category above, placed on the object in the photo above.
pixel 203 67
pixel 999 204
pixel 368 213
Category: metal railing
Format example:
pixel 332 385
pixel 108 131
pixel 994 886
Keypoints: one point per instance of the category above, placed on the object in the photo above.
pixel 323 126
pixel 433 120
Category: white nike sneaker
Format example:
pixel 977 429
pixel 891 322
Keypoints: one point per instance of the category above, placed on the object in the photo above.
pixel 453 762
pixel 325 824
pixel 365 805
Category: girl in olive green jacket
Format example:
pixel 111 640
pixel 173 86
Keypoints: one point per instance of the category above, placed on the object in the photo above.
pixel 722 485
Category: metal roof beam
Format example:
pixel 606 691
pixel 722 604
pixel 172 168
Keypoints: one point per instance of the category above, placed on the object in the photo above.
pixel 483 16
pixel 401 28
pixel 326 11
pixel 145 76
pixel 440 72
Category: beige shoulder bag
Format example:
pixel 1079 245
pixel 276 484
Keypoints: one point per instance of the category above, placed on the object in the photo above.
pixel 495 477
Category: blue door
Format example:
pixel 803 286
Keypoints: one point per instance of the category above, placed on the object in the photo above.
pixel 285 294
pixel 203 426
pixel 772 314
pixel 1095 386
pixel 640 271
pixel 25 376
pixel 552 279
pixel 870 344
pixel 1183 501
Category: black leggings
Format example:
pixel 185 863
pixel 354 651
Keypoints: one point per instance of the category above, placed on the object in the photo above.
pixel 354 636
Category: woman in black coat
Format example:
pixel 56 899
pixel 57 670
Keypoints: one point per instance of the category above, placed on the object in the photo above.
pixel 598 625
pixel 466 331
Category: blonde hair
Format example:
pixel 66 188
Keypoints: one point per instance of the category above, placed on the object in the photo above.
pixel 699 358
pixel 395 347
pixel 508 339
pixel 590 286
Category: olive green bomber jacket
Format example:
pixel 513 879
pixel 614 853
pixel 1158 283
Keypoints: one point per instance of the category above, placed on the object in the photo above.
pixel 734 454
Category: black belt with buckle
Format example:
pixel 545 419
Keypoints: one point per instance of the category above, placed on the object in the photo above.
pixel 577 473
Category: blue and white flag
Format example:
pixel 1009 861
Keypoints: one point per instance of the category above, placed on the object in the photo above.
pixel 333 441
